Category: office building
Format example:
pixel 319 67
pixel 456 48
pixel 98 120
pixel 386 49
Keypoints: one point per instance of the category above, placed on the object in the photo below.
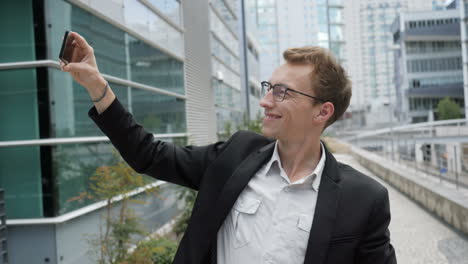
pixel 428 63
pixel 370 55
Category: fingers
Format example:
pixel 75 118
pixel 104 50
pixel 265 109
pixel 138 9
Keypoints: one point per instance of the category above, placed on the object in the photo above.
pixel 82 43
pixel 75 67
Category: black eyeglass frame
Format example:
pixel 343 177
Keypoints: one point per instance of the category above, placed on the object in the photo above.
pixel 270 86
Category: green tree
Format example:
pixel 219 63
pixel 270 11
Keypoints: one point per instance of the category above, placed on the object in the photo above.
pixel 448 109
pixel 118 233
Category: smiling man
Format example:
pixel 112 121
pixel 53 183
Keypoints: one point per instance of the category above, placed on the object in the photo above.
pixel 277 198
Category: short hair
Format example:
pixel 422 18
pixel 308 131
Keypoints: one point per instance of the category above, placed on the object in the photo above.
pixel 330 81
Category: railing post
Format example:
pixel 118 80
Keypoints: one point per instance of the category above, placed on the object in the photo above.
pixel 3 230
pixel 456 165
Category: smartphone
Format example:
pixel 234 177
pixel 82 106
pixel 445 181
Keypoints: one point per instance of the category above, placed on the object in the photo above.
pixel 66 51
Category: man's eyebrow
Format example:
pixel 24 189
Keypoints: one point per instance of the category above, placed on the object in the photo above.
pixel 282 84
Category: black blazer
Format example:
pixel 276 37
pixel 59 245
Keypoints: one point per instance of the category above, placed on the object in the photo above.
pixel 351 216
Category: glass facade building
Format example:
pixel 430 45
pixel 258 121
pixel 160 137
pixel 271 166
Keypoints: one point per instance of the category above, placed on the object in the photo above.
pixel 225 63
pixel 40 102
pixel 49 147
pixel 268 36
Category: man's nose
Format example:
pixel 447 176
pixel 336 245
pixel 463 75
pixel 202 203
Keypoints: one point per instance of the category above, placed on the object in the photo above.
pixel 267 100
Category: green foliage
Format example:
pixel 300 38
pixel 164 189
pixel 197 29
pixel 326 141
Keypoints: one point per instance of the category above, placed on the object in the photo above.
pixel 252 125
pixel 117 235
pixel 160 250
pixel 247 124
pixel 448 109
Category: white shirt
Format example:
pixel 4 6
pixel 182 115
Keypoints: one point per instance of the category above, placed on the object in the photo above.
pixel 270 221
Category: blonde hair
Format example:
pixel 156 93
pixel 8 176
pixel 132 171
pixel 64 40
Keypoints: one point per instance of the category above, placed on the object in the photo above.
pixel 329 80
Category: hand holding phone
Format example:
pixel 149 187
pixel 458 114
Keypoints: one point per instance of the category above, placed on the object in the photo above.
pixel 77 57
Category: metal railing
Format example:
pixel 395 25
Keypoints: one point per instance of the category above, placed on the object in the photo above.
pixel 438 149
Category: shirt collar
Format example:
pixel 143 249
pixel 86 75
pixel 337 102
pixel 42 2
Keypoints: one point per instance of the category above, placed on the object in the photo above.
pixel 314 177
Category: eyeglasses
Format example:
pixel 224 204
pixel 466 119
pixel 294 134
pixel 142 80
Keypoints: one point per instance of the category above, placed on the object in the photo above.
pixel 279 91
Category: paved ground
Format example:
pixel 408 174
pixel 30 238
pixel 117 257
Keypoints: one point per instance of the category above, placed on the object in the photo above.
pixel 418 237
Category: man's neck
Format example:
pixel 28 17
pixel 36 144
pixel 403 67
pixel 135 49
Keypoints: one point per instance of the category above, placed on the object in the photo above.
pixel 299 159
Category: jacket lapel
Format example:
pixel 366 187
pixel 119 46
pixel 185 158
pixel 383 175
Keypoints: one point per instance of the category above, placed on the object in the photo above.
pixel 325 212
pixel 237 182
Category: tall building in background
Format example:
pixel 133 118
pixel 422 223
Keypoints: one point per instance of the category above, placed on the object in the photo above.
pixel 370 54
pixel 305 22
pixel 428 63
pixel 267 21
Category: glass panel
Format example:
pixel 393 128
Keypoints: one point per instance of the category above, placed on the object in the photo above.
pixel 229 77
pixel 165 35
pixel 337 49
pixel 336 32
pixel 74 164
pixel 20 121
pixel 223 33
pixel 218 50
pixel 108 41
pixel 254 66
pixel 335 15
pixel 225 95
pixel 16 19
pixel 225 116
pixel 159 113
pixel 171 8
pixel 22 184
pixel 148 24
pixel 70 103
pixel 136 16
pixel 227 16
pixel 153 67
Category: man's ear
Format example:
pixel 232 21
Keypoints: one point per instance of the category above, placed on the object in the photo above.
pixel 326 112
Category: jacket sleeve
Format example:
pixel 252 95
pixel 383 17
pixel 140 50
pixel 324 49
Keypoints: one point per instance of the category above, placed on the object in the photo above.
pixel 162 160
pixel 375 247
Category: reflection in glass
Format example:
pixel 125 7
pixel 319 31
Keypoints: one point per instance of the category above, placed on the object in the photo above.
pixel 74 164
pixel 336 32
pixel 108 41
pixel 226 14
pixel 225 116
pixel 20 167
pixel 225 95
pixel 171 8
pixel 20 177
pixel 159 113
pixel 153 67
pixel 70 103
pixel 335 15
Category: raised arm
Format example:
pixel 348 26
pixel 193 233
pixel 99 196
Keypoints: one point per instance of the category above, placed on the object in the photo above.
pixel 162 160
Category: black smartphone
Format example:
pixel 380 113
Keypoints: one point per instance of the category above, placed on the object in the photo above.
pixel 66 51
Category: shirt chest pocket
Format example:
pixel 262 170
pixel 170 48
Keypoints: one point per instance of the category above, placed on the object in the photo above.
pixel 294 232
pixel 243 220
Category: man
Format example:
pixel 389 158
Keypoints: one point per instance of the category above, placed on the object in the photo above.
pixel 260 200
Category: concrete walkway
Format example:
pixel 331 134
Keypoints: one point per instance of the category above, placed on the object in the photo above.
pixel 418 237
